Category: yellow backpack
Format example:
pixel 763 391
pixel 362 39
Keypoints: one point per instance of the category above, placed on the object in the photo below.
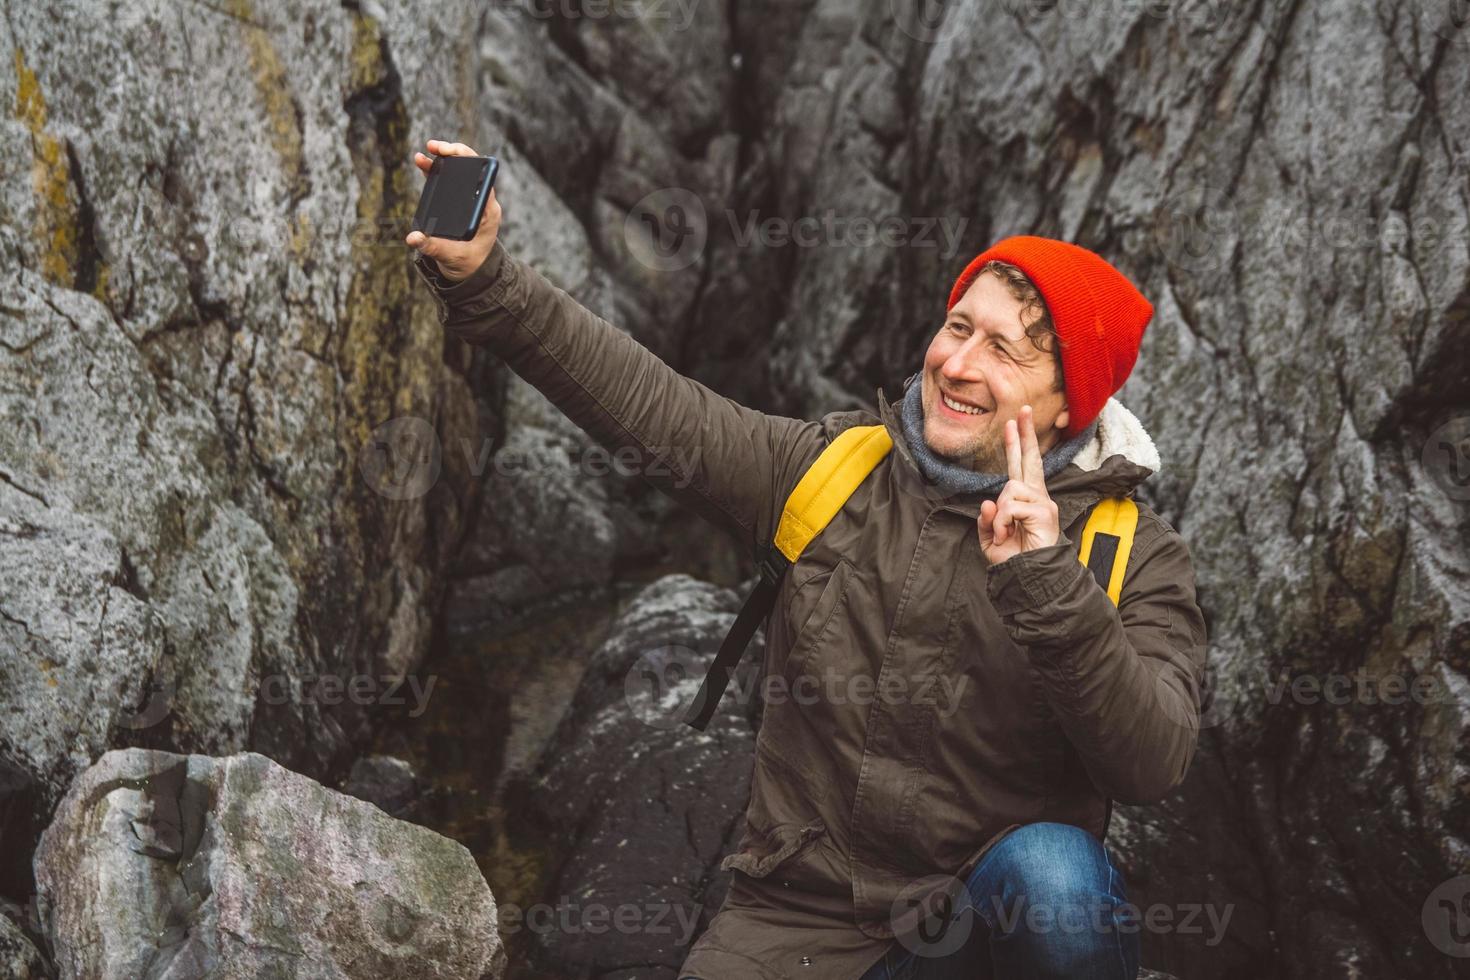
pixel 1107 539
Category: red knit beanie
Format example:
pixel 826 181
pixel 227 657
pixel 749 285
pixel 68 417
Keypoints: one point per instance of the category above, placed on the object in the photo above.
pixel 1098 313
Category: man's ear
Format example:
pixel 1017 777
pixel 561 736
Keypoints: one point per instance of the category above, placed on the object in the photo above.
pixel 1063 418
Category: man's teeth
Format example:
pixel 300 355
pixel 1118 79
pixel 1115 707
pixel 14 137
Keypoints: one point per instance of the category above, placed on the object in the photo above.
pixel 967 409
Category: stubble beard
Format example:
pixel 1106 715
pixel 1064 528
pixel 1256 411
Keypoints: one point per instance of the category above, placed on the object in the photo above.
pixel 981 452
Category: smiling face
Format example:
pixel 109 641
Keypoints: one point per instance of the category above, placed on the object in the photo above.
pixel 983 359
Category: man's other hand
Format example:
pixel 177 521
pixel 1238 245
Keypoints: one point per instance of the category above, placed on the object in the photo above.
pixel 456 260
pixel 1023 517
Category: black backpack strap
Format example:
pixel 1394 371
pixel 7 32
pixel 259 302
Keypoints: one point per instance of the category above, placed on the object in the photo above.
pixel 757 606
pixel 842 465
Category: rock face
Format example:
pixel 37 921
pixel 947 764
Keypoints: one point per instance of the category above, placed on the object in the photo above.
pixel 160 865
pixel 205 322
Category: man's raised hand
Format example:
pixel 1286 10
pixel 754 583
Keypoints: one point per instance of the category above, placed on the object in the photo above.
pixel 1023 517
pixel 456 260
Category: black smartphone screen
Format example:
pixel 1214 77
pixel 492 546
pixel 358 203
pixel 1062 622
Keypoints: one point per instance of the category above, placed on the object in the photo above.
pixel 454 197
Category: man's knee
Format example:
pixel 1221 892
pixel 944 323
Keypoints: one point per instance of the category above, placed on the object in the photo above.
pixel 1052 898
pixel 1050 860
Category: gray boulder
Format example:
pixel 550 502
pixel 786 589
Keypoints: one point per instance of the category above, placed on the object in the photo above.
pixel 169 866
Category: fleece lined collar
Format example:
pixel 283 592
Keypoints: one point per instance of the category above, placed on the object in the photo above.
pixel 1119 433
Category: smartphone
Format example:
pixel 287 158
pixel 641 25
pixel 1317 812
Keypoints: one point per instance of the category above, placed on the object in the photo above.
pixel 454 197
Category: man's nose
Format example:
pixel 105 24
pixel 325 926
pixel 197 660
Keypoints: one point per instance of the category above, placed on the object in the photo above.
pixel 964 364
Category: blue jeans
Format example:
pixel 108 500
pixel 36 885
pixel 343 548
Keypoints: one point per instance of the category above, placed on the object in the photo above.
pixel 1045 901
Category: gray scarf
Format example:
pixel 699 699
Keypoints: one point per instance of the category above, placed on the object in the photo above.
pixel 954 478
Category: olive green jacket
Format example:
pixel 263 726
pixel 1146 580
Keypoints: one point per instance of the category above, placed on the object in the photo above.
pixel 958 700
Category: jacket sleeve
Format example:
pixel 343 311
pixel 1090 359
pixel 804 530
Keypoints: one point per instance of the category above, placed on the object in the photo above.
pixel 1124 682
pixel 731 464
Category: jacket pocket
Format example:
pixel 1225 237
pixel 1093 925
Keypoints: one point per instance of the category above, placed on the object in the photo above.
pixel 764 852
pixel 816 619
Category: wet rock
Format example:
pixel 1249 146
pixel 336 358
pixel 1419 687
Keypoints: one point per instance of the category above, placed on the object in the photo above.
pixel 163 865
pixel 653 805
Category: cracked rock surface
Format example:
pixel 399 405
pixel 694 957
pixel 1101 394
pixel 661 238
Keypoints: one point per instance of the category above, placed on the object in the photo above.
pixel 206 317
pixel 647 804
pixel 199 334
pixel 168 866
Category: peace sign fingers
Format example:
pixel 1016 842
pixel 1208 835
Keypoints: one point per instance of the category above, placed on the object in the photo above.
pixel 1023 451
pixel 1023 517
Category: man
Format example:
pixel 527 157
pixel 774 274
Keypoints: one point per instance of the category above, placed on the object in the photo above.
pixel 990 699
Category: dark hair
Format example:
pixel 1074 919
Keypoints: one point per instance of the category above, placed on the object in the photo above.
pixel 1041 331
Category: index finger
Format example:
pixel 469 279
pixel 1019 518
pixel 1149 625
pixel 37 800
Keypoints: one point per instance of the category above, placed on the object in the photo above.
pixel 447 149
pixel 1031 449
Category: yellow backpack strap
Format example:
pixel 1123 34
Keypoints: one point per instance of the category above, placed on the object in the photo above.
pixel 1107 540
pixel 820 493
pixel 826 485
